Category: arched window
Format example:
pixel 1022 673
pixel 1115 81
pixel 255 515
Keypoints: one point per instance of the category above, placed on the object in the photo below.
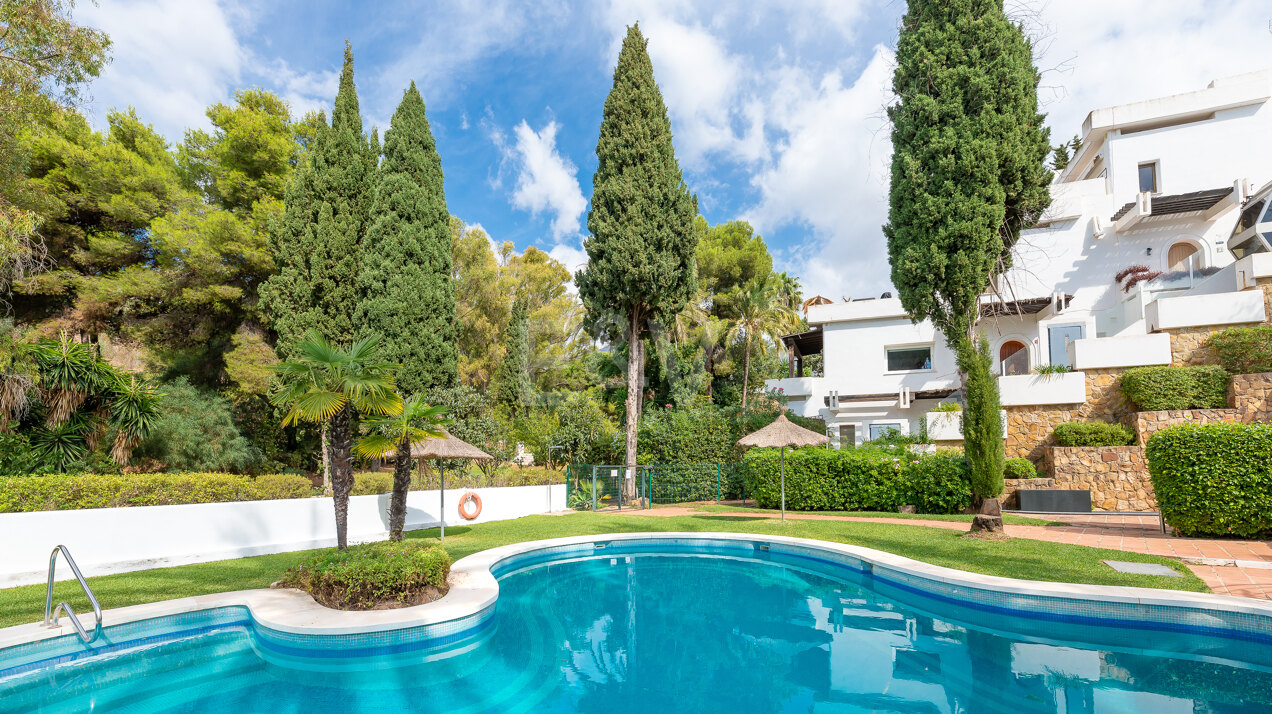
pixel 1013 357
pixel 1178 256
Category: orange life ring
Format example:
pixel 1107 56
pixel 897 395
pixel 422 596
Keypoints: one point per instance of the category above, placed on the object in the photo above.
pixel 464 500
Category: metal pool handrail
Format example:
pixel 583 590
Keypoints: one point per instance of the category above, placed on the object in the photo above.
pixel 51 615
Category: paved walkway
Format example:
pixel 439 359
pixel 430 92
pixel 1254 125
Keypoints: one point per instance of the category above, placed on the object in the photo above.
pixel 1229 567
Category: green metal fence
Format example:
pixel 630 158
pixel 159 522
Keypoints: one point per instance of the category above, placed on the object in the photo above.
pixel 598 487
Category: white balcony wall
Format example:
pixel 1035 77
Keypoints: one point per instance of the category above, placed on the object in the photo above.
pixel 1126 351
pixel 1198 310
pixel 948 426
pixel 1042 389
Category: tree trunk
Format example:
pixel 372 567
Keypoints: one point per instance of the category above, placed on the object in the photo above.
pixel 326 462
pixel 635 382
pixel 341 453
pixel 746 371
pixel 401 486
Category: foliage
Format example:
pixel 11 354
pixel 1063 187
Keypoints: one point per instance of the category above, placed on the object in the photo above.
pixel 947 407
pixel 367 483
pixel 641 248
pixel 819 479
pixel 586 433
pixel 1052 369
pixel 700 434
pixel 507 475
pixel 1075 433
pixel 475 420
pixel 1019 468
pixel 195 431
pixel 1244 350
pixel 372 574
pixel 761 318
pixel 248 364
pixel 982 420
pixel 61 492
pixel 393 435
pixel 317 241
pixel 730 256
pixel 1161 388
pixel 406 291
pixel 536 430
pixel 512 381
pixel 1214 479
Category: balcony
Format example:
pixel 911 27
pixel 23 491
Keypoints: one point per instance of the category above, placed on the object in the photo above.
pixel 795 387
pixel 1042 389
pixel 1127 351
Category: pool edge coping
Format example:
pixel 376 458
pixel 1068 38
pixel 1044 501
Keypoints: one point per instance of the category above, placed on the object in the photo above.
pixel 474 588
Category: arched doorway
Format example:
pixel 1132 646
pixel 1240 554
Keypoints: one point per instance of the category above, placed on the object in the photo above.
pixel 1013 357
pixel 1178 256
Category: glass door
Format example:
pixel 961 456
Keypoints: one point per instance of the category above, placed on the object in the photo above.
pixel 1059 337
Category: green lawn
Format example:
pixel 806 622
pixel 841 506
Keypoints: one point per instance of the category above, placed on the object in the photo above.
pixel 1018 558
pixel 958 517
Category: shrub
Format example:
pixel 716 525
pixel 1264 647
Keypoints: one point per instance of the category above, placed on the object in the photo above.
pixel 62 492
pixel 1161 388
pixel 370 483
pixel 1077 433
pixel 946 407
pixel 861 479
pixel 1214 479
pixel 195 432
pixel 364 576
pixel 1019 468
pixel 701 434
pixel 1244 350
pixel 982 422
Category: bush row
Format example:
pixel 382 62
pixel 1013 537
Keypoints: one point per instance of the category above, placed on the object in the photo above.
pixel 859 480
pixel 1077 433
pixel 1154 389
pixel 364 576
pixel 1244 350
pixel 1019 468
pixel 1214 479
pixel 73 491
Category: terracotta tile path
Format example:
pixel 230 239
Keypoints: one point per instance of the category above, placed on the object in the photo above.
pixel 1229 567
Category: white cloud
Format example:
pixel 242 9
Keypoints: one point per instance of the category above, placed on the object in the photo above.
pixel 572 256
pixel 547 182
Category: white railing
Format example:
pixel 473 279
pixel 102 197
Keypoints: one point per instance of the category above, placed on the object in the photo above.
pixel 1040 389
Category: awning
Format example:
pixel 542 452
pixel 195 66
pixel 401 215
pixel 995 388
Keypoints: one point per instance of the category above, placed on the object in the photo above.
pixel 1194 202
pixel 804 343
pixel 1027 306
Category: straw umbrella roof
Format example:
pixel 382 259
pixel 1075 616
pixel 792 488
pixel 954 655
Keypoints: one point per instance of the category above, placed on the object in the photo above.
pixel 446 447
pixel 783 433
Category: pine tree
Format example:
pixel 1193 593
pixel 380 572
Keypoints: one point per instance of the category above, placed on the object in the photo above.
pixel 406 292
pixel 968 174
pixel 512 381
pixel 316 244
pixel 641 251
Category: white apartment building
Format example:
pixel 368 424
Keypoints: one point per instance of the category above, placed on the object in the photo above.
pixel 1160 184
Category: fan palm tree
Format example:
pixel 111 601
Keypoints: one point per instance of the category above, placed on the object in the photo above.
pixel 328 384
pixel 761 316
pixel 395 433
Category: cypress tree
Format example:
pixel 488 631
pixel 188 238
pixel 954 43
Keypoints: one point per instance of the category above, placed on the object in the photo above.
pixel 641 248
pixel 968 174
pixel 406 292
pixel 316 244
pixel 512 381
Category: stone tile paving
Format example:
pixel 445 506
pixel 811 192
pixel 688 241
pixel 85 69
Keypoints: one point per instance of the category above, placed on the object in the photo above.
pixel 1230 567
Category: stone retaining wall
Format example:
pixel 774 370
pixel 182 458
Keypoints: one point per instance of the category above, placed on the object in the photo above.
pixel 1116 476
pixel 1013 486
pixel 1029 428
pixel 1251 395
pixel 1148 423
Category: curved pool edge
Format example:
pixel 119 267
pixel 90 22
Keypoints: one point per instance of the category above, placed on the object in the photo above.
pixel 474 588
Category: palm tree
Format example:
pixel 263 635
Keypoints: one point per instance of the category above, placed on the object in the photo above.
pixel 788 288
pixel 395 433
pixel 761 316
pixel 328 385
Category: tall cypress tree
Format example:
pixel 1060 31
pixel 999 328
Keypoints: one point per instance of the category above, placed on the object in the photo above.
pixel 406 292
pixel 512 380
pixel 316 244
pixel 968 174
pixel 641 265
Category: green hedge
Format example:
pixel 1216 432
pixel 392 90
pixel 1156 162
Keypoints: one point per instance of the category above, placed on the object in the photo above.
pixel 74 491
pixel 370 483
pixel 364 576
pixel 819 479
pixel 1160 388
pixel 1244 350
pixel 1077 433
pixel 1019 468
pixel 1214 479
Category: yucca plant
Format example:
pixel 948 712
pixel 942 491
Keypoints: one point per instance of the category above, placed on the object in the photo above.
pixel 134 406
pixel 394 434
pixel 69 372
pixel 332 385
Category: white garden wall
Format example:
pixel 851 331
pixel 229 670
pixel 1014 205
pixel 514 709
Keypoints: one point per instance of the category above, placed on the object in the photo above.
pixel 116 540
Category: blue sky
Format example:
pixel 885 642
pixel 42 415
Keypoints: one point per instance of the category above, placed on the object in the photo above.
pixel 777 107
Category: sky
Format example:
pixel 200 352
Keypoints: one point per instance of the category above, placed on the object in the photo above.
pixel 778 109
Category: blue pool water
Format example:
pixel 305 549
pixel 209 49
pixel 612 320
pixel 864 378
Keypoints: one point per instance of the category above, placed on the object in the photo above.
pixel 727 629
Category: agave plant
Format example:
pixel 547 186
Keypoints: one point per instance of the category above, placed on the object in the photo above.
pixel 394 434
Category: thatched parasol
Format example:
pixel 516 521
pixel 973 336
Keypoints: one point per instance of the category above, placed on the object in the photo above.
pixel 781 434
pixel 445 447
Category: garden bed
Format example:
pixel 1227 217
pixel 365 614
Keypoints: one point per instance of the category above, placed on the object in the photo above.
pixel 373 576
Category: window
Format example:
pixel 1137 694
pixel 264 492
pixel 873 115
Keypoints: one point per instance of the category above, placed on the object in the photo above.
pixel 1148 177
pixel 847 435
pixel 880 431
pixel 909 359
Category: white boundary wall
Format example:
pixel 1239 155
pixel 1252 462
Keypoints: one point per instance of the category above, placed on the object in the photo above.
pixel 117 540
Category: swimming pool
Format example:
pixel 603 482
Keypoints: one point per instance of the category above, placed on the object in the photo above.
pixel 687 624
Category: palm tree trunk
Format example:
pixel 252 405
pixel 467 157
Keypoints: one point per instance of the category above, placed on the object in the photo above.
pixel 401 486
pixel 341 453
pixel 746 371
pixel 635 375
pixel 326 462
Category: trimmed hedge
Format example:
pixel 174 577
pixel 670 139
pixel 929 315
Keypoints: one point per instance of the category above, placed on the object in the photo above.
pixel 1244 350
pixel 364 576
pixel 1078 433
pixel 64 492
pixel 1155 389
pixel 1019 468
pixel 370 483
pixel 819 479
pixel 1214 479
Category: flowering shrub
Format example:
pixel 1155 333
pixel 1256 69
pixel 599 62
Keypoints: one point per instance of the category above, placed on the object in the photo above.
pixel 364 577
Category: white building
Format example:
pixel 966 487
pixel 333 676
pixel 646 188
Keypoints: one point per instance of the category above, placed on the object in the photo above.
pixel 1159 184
